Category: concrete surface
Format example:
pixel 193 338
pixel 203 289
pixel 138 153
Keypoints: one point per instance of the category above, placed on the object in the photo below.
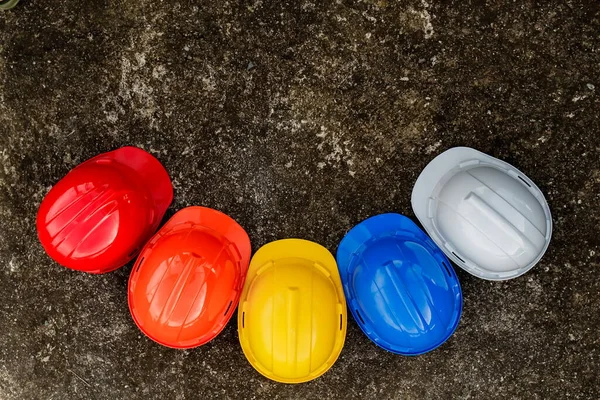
pixel 300 119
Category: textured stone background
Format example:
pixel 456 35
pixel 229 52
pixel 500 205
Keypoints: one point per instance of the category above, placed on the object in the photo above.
pixel 300 119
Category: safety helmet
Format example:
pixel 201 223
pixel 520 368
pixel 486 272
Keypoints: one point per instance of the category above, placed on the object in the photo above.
pixel 187 280
pixel 400 287
pixel 97 217
pixel 485 214
pixel 292 314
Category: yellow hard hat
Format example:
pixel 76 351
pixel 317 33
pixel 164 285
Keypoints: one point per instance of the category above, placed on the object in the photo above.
pixel 292 313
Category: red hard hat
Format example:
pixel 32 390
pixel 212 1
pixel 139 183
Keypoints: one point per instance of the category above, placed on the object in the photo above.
pixel 187 280
pixel 100 214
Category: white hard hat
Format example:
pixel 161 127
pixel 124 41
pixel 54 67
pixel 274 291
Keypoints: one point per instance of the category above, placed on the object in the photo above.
pixel 486 215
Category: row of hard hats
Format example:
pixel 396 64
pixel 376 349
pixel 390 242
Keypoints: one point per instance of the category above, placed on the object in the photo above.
pixel 189 277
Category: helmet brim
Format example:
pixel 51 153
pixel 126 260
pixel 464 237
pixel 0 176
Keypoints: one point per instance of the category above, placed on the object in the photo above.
pixel 220 223
pixel 433 173
pixel 152 174
pixel 383 224
pixel 296 248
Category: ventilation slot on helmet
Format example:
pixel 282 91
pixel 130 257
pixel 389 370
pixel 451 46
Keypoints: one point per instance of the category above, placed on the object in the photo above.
pixel 360 317
pixel 341 321
pixel 456 255
pixel 243 318
pixel 228 307
pixel 446 267
pixel 524 181
pixel 139 264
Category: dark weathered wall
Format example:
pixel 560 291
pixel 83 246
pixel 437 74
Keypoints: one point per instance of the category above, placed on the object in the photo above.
pixel 300 119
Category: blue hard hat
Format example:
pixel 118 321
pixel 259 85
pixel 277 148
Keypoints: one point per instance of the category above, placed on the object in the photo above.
pixel 399 285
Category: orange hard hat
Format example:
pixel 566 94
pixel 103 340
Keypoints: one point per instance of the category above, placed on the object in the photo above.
pixel 187 280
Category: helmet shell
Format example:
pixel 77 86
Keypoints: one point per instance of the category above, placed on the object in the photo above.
pixel 292 315
pixel 485 214
pixel 400 287
pixel 187 280
pixel 101 213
